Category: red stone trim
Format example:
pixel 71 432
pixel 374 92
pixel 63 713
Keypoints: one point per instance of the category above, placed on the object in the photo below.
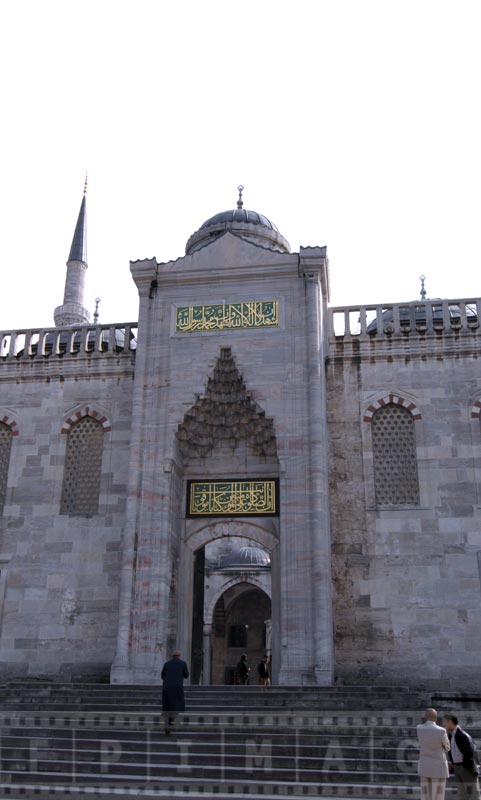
pixel 476 410
pixel 86 411
pixel 12 424
pixel 396 400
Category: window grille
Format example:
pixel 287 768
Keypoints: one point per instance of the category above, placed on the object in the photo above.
pixel 394 451
pixel 83 462
pixel 5 447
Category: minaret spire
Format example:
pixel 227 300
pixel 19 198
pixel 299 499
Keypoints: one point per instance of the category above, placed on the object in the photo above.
pixel 72 311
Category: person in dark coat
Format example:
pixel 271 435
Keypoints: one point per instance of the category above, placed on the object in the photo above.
pixel 243 671
pixel 263 670
pixel 173 674
pixel 463 757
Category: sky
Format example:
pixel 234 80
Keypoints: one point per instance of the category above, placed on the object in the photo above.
pixel 354 124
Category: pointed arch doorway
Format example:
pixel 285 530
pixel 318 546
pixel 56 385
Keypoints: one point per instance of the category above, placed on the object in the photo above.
pixel 231 568
pixel 240 624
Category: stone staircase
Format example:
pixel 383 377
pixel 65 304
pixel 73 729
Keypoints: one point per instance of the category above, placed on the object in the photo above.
pixel 99 741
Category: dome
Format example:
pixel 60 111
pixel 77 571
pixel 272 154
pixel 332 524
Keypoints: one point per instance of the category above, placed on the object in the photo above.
pixel 247 556
pixel 249 225
pixel 239 215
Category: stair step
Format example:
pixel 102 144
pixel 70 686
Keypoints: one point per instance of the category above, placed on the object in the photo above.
pixel 169 787
pixel 299 717
pixel 194 791
pixel 100 741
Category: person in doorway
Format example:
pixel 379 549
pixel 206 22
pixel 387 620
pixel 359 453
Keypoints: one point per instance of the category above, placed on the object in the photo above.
pixel 433 765
pixel 463 757
pixel 173 702
pixel 264 672
pixel 243 671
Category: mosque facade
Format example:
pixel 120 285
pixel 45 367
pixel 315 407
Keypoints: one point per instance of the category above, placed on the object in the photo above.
pixel 243 469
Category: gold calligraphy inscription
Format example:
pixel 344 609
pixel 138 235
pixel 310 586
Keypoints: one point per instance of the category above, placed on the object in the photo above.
pixel 227 316
pixel 222 498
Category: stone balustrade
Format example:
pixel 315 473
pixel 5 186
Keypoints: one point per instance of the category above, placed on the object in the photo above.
pixel 419 318
pixel 92 340
pixel 381 320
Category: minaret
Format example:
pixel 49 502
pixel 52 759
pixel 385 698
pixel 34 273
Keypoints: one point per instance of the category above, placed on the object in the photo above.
pixel 72 312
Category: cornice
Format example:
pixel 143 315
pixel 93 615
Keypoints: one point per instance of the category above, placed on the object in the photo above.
pixel 401 348
pixel 83 368
pixel 186 277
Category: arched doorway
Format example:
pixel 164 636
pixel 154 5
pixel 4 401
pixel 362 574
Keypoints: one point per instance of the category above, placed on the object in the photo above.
pixel 231 607
pixel 238 627
pixel 217 557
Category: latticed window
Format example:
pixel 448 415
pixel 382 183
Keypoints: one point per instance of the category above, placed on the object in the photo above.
pixel 5 447
pixel 394 451
pixel 83 461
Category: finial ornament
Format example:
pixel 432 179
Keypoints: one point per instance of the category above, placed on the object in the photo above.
pixel 96 312
pixel 86 182
pixel 423 290
pixel 240 201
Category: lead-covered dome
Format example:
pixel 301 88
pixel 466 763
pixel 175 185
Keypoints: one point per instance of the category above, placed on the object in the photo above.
pixel 249 225
pixel 247 555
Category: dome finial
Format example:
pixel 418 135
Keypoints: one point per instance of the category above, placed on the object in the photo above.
pixel 86 182
pixel 423 290
pixel 96 312
pixel 240 201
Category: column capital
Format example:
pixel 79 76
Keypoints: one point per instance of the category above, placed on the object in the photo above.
pixel 314 267
pixel 143 273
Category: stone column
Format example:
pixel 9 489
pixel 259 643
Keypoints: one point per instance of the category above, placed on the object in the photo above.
pixel 268 627
pixel 314 268
pixel 184 616
pixel 207 663
pixel 121 671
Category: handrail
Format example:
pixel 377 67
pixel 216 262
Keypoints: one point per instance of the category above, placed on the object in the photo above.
pixel 91 340
pixel 420 318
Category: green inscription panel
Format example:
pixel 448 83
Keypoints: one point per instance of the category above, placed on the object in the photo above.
pixel 233 498
pixel 227 316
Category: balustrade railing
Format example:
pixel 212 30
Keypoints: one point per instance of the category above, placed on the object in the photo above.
pixel 421 318
pixel 94 340
pixel 381 320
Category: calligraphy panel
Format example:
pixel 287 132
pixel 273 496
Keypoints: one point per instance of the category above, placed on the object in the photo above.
pixel 227 316
pixel 253 498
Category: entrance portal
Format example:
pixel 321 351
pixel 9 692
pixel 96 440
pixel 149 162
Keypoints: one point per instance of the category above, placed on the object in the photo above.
pixel 241 620
pixel 231 613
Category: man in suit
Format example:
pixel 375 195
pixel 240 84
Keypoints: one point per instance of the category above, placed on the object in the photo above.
pixel 263 670
pixel 173 674
pixel 433 765
pixel 463 758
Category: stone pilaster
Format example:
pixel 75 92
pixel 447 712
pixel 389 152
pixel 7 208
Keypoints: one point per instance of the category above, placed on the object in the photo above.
pixel 206 671
pixel 314 269
pixel 123 667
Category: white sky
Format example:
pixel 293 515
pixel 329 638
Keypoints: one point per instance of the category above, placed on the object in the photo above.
pixel 351 123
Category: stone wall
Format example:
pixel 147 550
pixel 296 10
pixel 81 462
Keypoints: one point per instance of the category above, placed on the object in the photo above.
pixel 60 572
pixel 248 404
pixel 407 600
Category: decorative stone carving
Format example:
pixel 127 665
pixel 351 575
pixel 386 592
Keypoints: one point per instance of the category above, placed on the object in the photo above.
pixel 225 415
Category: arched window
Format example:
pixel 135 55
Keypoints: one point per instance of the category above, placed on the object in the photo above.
pixel 394 453
pixel 5 447
pixel 83 462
